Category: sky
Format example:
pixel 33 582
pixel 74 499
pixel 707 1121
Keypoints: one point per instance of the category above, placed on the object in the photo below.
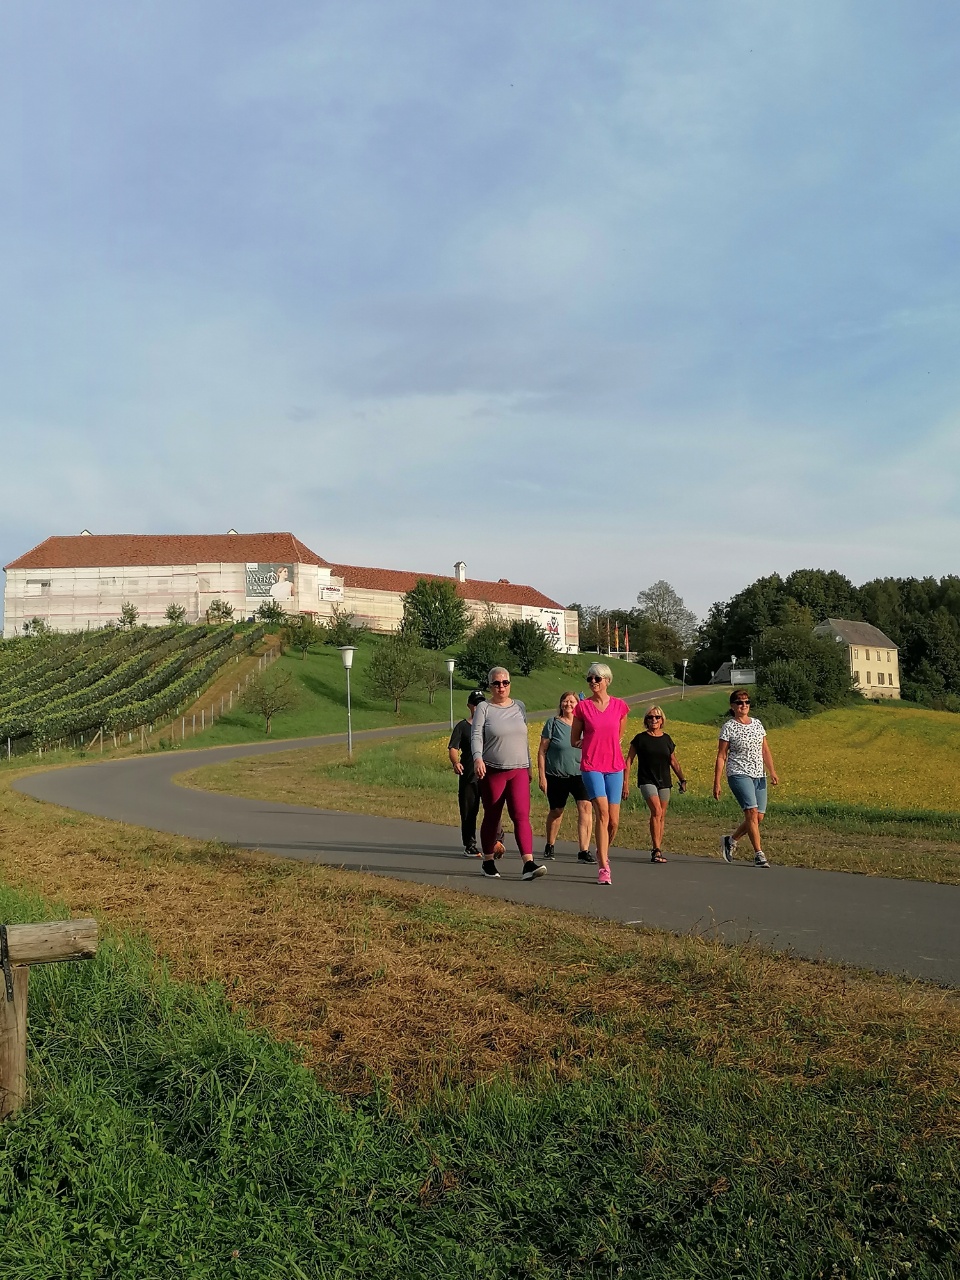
pixel 585 294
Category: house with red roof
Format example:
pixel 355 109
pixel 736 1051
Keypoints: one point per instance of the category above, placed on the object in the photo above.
pixel 84 580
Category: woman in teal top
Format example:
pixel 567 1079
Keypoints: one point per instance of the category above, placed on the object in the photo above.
pixel 558 764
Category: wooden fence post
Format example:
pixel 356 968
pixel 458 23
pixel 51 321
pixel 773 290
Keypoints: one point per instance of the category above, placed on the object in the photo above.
pixel 22 945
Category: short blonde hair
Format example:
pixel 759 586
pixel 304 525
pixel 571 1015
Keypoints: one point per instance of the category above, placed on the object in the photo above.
pixel 496 671
pixel 600 669
pixel 654 711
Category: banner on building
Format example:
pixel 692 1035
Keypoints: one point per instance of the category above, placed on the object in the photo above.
pixel 331 591
pixel 270 582
pixel 551 620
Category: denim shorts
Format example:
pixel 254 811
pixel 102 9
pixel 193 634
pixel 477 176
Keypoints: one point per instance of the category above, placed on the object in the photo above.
pixel 749 793
pixel 598 785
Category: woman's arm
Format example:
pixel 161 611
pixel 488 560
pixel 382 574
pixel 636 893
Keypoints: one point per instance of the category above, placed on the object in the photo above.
pixel 455 760
pixel 542 763
pixel 723 749
pixel 675 766
pixel 631 756
pixel 576 731
pixel 768 761
pixel 476 740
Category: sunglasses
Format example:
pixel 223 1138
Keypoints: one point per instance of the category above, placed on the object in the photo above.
pixel 653 718
pixel 594 679
pixel 741 702
pixel 498 684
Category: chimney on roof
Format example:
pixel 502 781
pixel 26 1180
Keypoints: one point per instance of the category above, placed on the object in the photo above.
pixel 504 581
pixel 85 533
pixel 229 531
pixel 460 571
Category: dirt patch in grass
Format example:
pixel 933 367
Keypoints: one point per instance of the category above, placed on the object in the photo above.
pixel 406 779
pixel 378 979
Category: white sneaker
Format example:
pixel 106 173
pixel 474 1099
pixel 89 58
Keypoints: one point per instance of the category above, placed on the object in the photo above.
pixel 727 847
pixel 761 860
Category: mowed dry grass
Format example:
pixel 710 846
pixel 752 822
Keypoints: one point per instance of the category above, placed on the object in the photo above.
pixel 377 979
pixel 409 778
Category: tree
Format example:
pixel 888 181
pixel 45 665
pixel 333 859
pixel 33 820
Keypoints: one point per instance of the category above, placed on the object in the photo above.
pixel 486 647
pixel 175 614
pixel 271 612
pixel 660 604
pixel 343 627
pixel 301 633
pixel 396 667
pixel 271 693
pixel 787 681
pixel 129 613
pixel 440 616
pixel 219 611
pixel 39 628
pixel 530 645
pixel 434 676
pixel 820 661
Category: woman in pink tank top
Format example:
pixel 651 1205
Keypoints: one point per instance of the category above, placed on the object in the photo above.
pixel 597 728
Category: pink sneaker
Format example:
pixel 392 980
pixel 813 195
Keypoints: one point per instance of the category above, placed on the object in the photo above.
pixel 603 875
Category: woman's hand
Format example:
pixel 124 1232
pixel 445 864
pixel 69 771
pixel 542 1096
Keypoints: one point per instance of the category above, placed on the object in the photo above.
pixel 480 769
pixel 773 778
pixel 458 768
pixel 626 788
pixel 716 791
pixel 542 784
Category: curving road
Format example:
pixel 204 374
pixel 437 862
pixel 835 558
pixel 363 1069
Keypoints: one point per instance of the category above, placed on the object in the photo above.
pixel 895 926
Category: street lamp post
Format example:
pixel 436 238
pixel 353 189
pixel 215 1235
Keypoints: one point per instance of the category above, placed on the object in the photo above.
pixel 683 686
pixel 346 653
pixel 451 663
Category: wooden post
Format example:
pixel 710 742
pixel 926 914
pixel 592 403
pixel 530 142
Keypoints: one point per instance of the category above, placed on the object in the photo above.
pixel 22 945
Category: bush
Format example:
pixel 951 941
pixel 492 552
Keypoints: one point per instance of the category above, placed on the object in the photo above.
pixel 822 662
pixel 397 667
pixel 659 663
pixel 786 680
pixel 274 691
pixel 530 645
pixel 219 611
pixel 343 628
pixel 486 648
pixel 271 612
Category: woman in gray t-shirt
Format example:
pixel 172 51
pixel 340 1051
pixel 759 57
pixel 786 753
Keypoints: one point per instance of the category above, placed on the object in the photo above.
pixel 501 759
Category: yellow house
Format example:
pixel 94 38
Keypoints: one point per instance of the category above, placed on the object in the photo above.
pixel 873 657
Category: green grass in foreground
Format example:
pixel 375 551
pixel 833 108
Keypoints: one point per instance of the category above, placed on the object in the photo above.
pixel 324 701
pixel 166 1139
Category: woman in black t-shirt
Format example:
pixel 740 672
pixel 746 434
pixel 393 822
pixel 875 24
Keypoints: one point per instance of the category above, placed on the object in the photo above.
pixel 655 753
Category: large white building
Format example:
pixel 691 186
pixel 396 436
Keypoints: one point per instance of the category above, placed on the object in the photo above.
pixel 83 581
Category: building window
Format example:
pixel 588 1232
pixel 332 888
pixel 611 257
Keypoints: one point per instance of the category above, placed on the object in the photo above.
pixel 879 677
pixel 35 587
pixel 889 655
pixel 856 677
pixel 856 653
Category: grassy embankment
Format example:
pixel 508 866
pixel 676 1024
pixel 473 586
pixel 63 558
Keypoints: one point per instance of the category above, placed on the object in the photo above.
pixel 872 789
pixel 323 707
pixel 496 1091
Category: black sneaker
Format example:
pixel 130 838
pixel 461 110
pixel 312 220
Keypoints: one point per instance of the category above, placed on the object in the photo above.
pixel 548 851
pixel 531 871
pixel 489 868
pixel 471 851
pixel 728 848
pixel 586 856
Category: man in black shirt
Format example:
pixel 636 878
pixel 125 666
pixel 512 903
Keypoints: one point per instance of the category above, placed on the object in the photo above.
pixel 468 790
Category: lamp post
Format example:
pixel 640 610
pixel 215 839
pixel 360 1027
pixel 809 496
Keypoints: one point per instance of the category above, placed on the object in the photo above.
pixel 451 663
pixel 346 653
pixel 683 686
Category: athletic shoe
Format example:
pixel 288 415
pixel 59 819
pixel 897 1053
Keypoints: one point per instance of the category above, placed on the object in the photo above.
pixel 531 871
pixel 548 851
pixel 761 860
pixel 471 851
pixel 656 856
pixel 498 849
pixel 728 847
pixel 489 868
pixel 603 875
pixel 586 856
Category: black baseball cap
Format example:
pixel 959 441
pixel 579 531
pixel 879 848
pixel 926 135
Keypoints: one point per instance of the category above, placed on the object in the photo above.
pixel 474 699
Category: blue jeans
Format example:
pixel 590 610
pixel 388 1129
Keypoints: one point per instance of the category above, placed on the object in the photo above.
pixel 749 793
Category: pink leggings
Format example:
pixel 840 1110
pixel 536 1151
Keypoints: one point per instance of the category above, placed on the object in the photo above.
pixel 510 787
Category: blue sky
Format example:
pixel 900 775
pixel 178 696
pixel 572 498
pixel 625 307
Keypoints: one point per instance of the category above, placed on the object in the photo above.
pixel 587 295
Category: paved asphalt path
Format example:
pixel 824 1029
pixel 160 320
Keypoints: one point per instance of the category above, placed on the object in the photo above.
pixel 895 926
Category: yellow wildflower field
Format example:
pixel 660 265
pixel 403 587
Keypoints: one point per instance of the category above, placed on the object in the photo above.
pixel 885 757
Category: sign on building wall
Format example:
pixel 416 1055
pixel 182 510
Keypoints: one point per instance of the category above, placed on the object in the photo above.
pixel 270 582
pixel 331 591
pixel 551 620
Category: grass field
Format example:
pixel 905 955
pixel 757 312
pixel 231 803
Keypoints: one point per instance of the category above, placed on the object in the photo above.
pixel 848 799
pixel 324 704
pixel 494 1091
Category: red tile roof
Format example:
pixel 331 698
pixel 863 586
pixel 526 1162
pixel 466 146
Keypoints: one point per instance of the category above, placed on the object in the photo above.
pixel 502 592
pixel 96 550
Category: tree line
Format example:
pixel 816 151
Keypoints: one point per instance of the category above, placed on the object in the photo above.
pixel 920 615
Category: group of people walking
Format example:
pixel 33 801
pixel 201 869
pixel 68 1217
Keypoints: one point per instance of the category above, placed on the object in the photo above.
pixel 581 757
